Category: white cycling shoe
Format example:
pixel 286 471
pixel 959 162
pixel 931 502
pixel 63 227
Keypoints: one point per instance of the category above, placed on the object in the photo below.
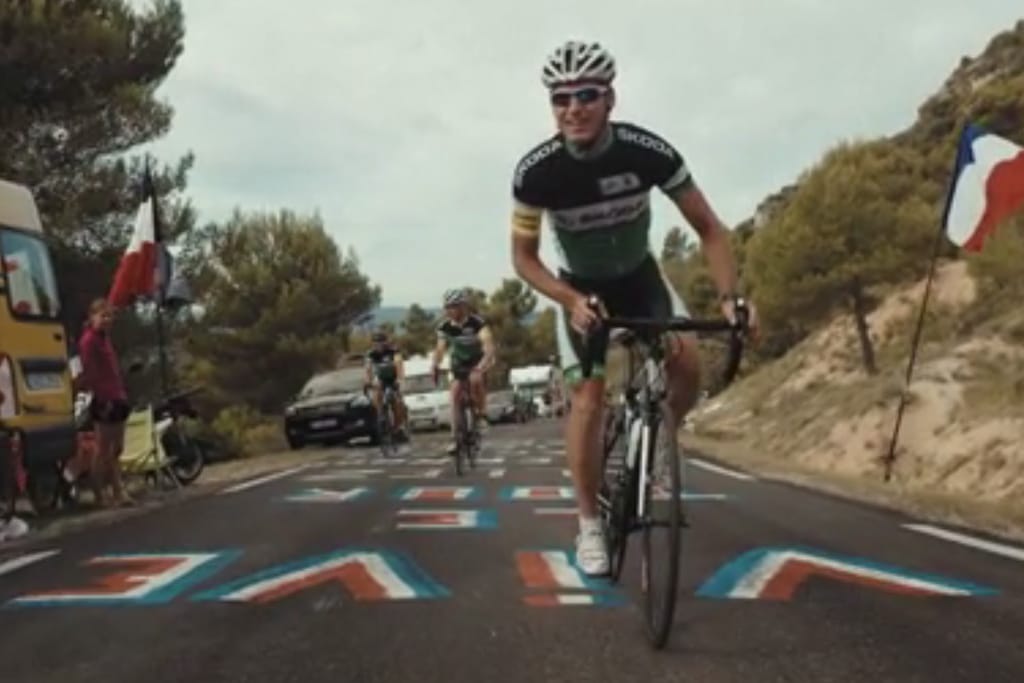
pixel 592 552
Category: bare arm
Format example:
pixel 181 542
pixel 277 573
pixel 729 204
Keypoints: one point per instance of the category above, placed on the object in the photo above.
pixel 400 366
pixel 439 350
pixel 528 266
pixel 487 339
pixel 527 263
pixel 713 235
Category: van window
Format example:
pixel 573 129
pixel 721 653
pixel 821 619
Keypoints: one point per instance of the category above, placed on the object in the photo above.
pixel 28 276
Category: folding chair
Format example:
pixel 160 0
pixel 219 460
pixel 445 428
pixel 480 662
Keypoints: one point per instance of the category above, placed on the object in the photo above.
pixel 143 453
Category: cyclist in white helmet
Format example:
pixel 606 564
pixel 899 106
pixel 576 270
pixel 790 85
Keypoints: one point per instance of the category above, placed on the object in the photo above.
pixel 593 178
pixel 468 338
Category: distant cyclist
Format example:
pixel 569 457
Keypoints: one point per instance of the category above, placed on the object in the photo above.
pixel 468 338
pixel 593 178
pixel 384 368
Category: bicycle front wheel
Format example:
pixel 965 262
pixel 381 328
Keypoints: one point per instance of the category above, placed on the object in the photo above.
pixel 662 529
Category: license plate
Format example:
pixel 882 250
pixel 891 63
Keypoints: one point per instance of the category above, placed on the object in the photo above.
pixel 322 424
pixel 43 381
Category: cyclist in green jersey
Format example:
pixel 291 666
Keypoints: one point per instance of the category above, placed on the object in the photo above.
pixel 384 368
pixel 468 338
pixel 593 179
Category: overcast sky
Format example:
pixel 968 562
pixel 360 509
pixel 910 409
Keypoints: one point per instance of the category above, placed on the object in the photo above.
pixel 400 120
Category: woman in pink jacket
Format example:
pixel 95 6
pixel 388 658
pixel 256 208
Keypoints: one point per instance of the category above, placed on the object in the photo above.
pixel 109 408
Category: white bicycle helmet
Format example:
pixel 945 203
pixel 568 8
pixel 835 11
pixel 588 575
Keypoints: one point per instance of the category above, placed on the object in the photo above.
pixel 578 61
pixel 454 297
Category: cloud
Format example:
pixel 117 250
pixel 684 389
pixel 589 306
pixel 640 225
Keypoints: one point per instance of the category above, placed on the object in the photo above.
pixel 401 121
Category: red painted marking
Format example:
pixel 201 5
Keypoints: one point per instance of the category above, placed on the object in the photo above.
pixel 542 600
pixel 435 494
pixel 447 518
pixel 535 571
pixel 785 583
pixel 356 578
pixel 544 493
pixel 138 571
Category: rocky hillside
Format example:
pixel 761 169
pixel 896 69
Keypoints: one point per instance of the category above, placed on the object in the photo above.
pixel 812 411
pixel 816 411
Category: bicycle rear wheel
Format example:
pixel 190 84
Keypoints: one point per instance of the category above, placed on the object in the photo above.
pixel 662 530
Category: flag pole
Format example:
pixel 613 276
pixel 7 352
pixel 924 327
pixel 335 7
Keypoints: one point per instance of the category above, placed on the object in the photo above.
pixel 890 457
pixel 158 298
pixel 914 344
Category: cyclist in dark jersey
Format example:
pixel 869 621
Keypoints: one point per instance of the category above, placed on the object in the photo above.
pixel 593 179
pixel 384 369
pixel 467 337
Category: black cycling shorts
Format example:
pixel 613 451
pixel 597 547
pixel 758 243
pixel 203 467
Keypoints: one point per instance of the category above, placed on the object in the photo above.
pixel 642 293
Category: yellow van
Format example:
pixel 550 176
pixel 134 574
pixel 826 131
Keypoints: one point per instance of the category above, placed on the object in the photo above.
pixel 35 379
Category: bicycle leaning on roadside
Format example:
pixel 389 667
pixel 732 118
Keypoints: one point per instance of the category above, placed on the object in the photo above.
pixel 642 490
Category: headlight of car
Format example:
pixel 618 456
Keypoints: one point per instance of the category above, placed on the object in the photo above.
pixel 290 410
pixel 360 401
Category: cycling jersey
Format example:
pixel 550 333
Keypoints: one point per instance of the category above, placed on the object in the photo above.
pixel 463 339
pixel 383 363
pixel 599 204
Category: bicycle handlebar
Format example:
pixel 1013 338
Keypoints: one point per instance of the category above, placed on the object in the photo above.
pixel 736 330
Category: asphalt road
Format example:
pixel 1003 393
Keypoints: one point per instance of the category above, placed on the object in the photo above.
pixel 348 571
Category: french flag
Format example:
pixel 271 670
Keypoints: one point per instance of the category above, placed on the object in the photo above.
pixel 138 274
pixel 987 187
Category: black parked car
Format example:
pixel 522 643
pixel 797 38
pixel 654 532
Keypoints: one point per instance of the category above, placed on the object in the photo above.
pixel 331 408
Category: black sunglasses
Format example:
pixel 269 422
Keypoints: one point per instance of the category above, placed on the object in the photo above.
pixel 583 96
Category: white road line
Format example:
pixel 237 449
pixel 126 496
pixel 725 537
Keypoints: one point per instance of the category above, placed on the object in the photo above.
pixel 497 474
pixel 711 467
pixel 25 560
pixel 263 480
pixel 963 539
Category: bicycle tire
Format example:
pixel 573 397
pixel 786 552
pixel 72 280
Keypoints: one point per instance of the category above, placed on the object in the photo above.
pixel 460 441
pixel 472 436
pixel 616 489
pixel 659 614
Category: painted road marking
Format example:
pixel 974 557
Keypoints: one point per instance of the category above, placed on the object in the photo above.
pixel 662 494
pixel 389 462
pixel 711 467
pixel 491 461
pixel 144 578
pixel 424 474
pixel 367 575
pixel 537 493
pixel 8 566
pixel 554 569
pixel 263 480
pixel 556 512
pixel 429 461
pixel 316 495
pixel 574 600
pixel 777 573
pixel 963 539
pixel 445 493
pixel 543 460
pixel 496 474
pixel 342 475
pixel 567 474
pixel 447 519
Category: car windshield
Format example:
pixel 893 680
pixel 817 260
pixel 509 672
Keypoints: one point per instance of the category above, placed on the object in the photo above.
pixel 423 384
pixel 344 381
pixel 28 273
